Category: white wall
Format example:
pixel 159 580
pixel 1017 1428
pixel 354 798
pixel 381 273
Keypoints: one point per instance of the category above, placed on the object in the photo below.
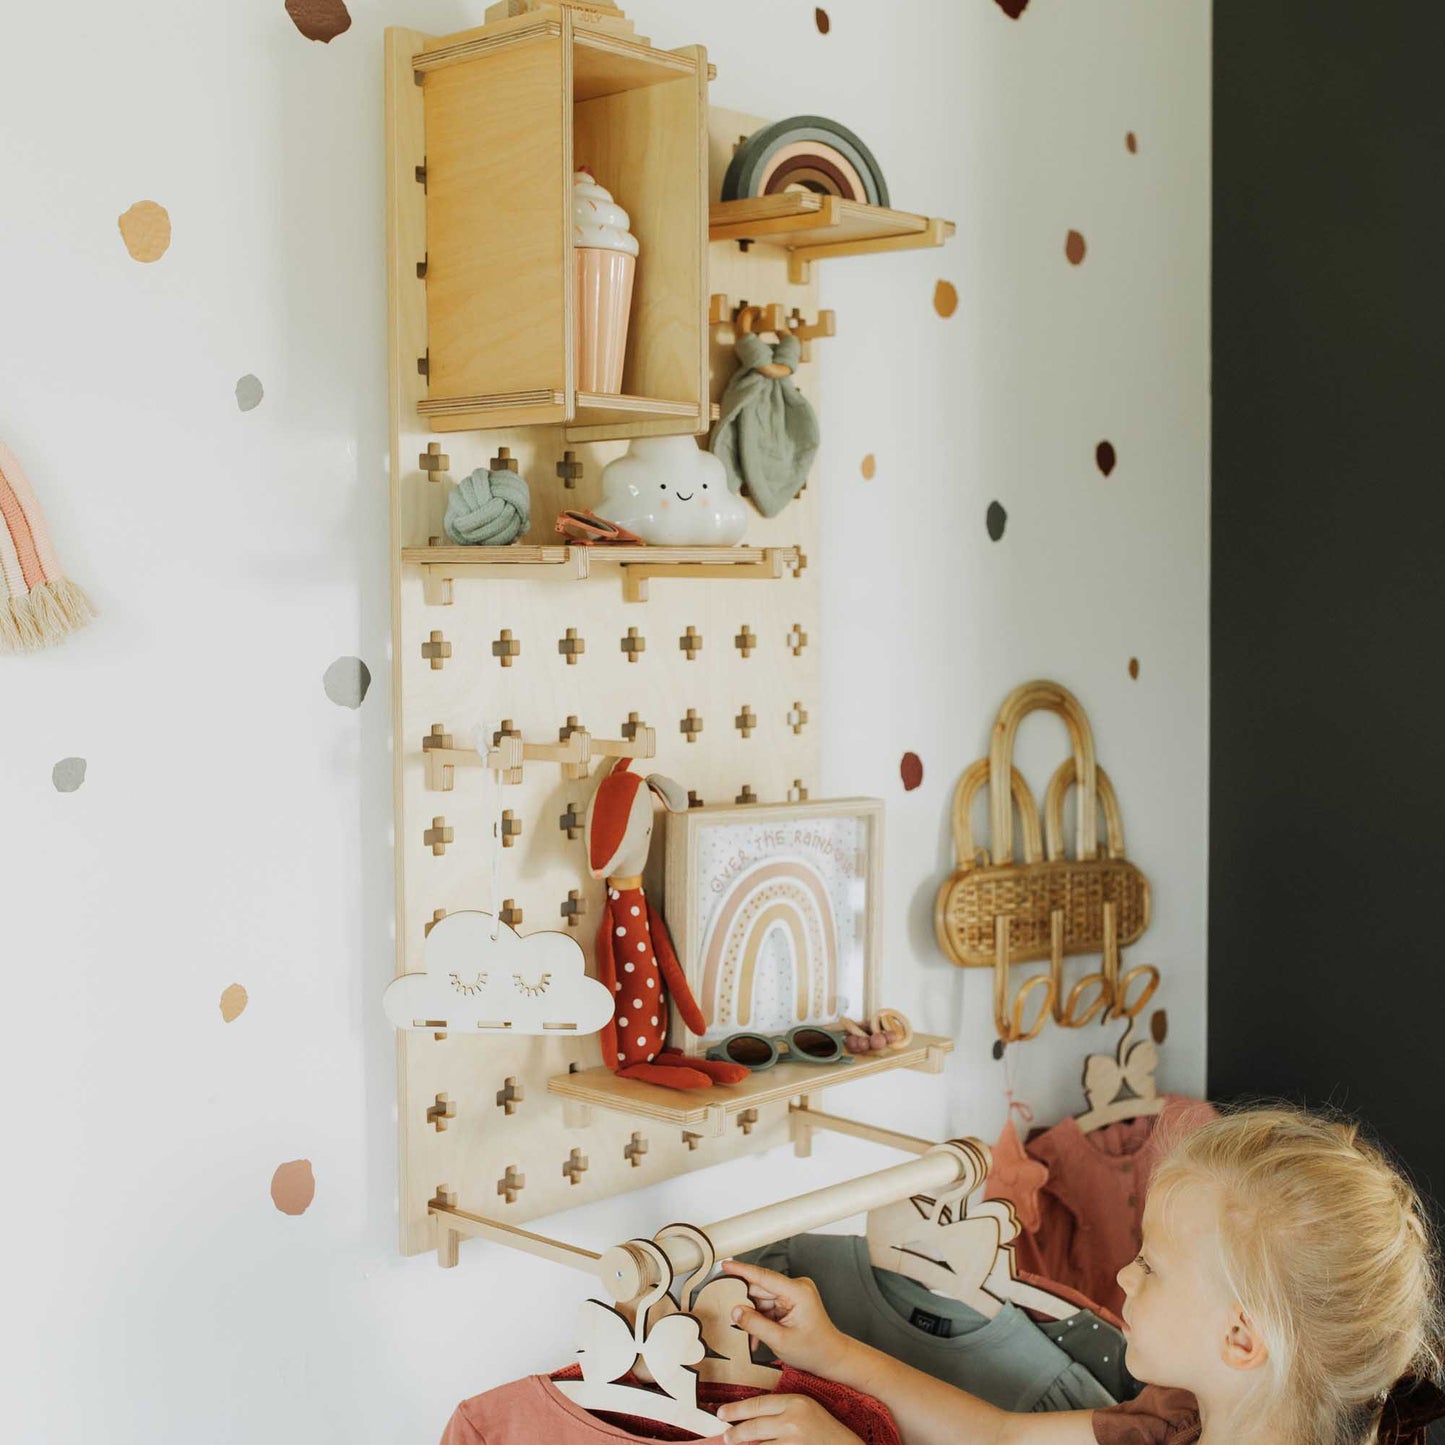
pixel 233 823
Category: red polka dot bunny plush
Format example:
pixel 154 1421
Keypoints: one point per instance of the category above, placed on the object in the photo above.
pixel 635 958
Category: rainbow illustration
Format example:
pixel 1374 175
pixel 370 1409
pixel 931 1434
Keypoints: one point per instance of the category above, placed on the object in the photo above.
pixel 778 899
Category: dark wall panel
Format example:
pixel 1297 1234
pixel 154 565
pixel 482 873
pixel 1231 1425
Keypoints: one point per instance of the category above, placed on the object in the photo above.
pixel 1327 879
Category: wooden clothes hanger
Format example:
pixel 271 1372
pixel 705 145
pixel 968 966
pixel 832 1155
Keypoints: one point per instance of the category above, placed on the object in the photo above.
pixel 963 1252
pixel 608 1347
pixel 1121 1086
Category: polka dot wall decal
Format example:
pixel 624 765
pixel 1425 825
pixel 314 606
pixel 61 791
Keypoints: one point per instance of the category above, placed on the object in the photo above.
pixel 293 1187
pixel 321 20
pixel 870 467
pixel 1131 141
pixel 1134 667
pixel 146 230
pixel 1106 457
pixel 820 19
pixel 249 392
pixel 998 1048
pixel 996 520
pixel 911 771
pixel 68 774
pixel 1159 1026
pixel 1074 247
pixel 233 1003
pixel 945 298
pixel 346 681
pixel 1013 8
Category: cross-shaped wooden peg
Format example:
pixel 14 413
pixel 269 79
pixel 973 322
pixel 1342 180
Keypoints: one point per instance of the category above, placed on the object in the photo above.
pixel 693 801
pixel 437 649
pixel 511 1184
pixel 569 469
pixel 571 821
pixel 507 730
pixel 691 725
pixel 440 1112
pixel 691 1140
pixel 796 563
pixel 571 646
pixel 436 917
pixel 504 461
pixel 796 640
pixel 433 461
pixel 510 914
pixel 746 640
pixel 510 1095
pixel 444 1198
pixel 747 1119
pixel 575 1167
pixel 691 643
pixel 511 828
pixel 438 737
pixel 797 717
pixel 797 793
pixel 747 795
pixel 634 644
pixel 568 728
pixel 746 721
pixel 437 836
pixel 630 727
pixel 634 1149
pixel 506 647
pixel 573 907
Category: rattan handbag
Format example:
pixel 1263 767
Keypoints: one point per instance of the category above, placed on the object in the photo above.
pixel 997 910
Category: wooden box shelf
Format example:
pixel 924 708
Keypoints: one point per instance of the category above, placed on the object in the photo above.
pixel 441 566
pixel 510 110
pixel 813 227
pixel 711 1112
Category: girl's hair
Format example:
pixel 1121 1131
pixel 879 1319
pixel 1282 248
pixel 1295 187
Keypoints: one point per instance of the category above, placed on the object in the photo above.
pixel 1328 1251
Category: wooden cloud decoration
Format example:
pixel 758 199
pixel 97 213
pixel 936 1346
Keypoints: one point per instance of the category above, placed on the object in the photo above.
pixel 808 152
pixel 483 977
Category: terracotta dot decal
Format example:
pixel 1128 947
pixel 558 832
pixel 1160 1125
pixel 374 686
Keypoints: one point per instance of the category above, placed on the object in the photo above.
pixel 996 520
pixel 911 771
pixel 1134 667
pixel 1131 141
pixel 945 298
pixel 68 774
pixel 1013 9
pixel 293 1187
pixel 146 230
pixel 870 467
pixel 1074 247
pixel 249 392
pixel 1106 457
pixel 1159 1026
pixel 321 20
pixel 346 681
pixel 820 18
pixel 233 1003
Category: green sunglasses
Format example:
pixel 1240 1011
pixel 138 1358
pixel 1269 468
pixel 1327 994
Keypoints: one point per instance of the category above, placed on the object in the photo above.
pixel 807 1045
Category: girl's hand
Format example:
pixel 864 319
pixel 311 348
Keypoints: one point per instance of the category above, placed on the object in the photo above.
pixel 795 1418
pixel 789 1318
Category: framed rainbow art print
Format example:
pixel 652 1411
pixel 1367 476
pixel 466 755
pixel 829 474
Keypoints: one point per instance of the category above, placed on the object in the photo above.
pixel 775 913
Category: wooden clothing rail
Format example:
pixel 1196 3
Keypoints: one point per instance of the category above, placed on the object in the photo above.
pixel 628 1273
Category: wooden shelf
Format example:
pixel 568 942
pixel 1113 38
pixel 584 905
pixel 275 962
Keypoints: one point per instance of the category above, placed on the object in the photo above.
pixel 638 565
pixel 812 227
pixel 712 1112
pixel 597 416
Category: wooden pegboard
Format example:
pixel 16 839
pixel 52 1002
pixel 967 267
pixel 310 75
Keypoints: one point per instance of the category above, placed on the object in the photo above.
pixel 475 1116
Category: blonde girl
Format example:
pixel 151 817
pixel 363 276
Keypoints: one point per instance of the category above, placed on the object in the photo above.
pixel 1286 1282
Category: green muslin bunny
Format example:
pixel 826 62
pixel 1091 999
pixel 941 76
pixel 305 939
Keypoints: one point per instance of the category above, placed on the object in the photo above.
pixel 767 434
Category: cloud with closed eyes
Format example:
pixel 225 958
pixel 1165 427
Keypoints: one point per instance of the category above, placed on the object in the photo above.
pixel 483 977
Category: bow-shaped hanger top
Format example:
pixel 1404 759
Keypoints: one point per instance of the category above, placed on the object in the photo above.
pixel 1121 1086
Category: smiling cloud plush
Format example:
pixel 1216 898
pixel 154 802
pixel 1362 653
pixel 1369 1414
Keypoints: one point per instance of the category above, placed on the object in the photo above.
pixel 672 494
pixel 477 984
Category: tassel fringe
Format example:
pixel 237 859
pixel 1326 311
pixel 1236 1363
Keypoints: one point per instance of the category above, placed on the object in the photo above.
pixel 46 615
